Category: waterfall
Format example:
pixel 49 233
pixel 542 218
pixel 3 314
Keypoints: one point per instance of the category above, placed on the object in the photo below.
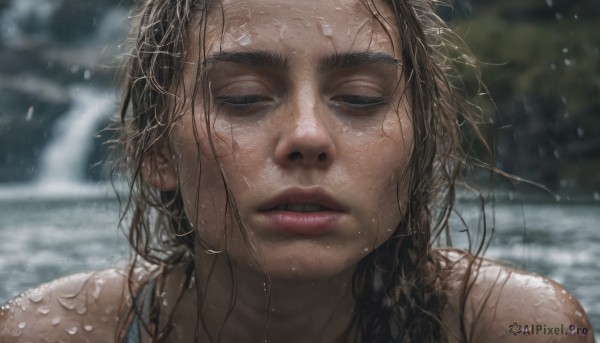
pixel 64 161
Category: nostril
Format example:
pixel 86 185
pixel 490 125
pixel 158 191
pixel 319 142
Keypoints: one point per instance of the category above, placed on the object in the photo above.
pixel 322 157
pixel 295 156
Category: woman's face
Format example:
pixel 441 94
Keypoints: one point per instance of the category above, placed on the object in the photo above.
pixel 308 127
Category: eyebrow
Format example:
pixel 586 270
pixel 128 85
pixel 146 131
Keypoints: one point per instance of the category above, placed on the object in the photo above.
pixel 273 60
pixel 354 59
pixel 258 58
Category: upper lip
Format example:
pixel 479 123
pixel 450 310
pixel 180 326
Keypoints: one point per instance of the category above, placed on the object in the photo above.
pixel 300 195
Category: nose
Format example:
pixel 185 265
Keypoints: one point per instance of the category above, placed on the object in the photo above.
pixel 305 141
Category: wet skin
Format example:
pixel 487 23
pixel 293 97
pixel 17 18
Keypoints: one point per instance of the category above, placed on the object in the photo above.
pixel 312 135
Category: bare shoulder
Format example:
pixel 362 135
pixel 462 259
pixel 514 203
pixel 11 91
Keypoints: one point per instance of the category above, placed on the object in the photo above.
pixel 80 307
pixel 503 304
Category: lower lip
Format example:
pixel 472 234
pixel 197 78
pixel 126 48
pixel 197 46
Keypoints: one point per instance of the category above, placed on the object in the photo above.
pixel 302 222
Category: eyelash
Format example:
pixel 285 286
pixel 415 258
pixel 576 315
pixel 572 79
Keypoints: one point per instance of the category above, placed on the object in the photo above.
pixel 360 103
pixel 242 100
pixel 246 103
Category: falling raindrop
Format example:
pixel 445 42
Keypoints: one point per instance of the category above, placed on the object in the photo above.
pixel 596 196
pixel 567 62
pixel 580 132
pixel 549 3
pixel 565 50
pixel 87 74
pixel 29 114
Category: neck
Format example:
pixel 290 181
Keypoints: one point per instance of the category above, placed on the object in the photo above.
pixel 241 303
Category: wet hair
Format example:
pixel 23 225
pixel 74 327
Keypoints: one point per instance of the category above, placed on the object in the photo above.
pixel 399 287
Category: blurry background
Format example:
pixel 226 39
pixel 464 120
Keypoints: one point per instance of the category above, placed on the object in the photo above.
pixel 540 61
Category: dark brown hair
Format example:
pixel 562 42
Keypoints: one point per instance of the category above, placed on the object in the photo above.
pixel 399 287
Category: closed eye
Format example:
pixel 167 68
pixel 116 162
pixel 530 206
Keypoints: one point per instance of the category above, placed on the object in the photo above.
pixel 242 100
pixel 359 103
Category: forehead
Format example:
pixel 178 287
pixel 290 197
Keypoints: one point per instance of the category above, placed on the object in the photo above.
pixel 303 28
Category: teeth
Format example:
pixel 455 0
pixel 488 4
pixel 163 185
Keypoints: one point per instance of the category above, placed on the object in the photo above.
pixel 300 207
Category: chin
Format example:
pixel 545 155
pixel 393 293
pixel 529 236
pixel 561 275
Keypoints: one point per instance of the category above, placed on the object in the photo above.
pixel 310 266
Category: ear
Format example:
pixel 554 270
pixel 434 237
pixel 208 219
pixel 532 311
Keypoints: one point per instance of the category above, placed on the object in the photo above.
pixel 158 169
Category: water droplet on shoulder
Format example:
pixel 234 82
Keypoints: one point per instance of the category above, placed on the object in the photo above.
pixel 72 330
pixel 55 321
pixel 22 325
pixel 88 327
pixel 44 309
pixel 66 303
pixel 36 297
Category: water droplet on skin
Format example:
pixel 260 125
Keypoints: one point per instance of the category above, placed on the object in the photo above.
pixel 36 297
pixel 578 314
pixel 81 310
pixel 22 325
pixel 327 29
pixel 66 303
pixel 564 291
pixel 244 39
pixel 88 327
pixel 72 331
pixel 98 288
pixel 55 321
pixel 293 269
pixel 366 249
pixel 44 310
